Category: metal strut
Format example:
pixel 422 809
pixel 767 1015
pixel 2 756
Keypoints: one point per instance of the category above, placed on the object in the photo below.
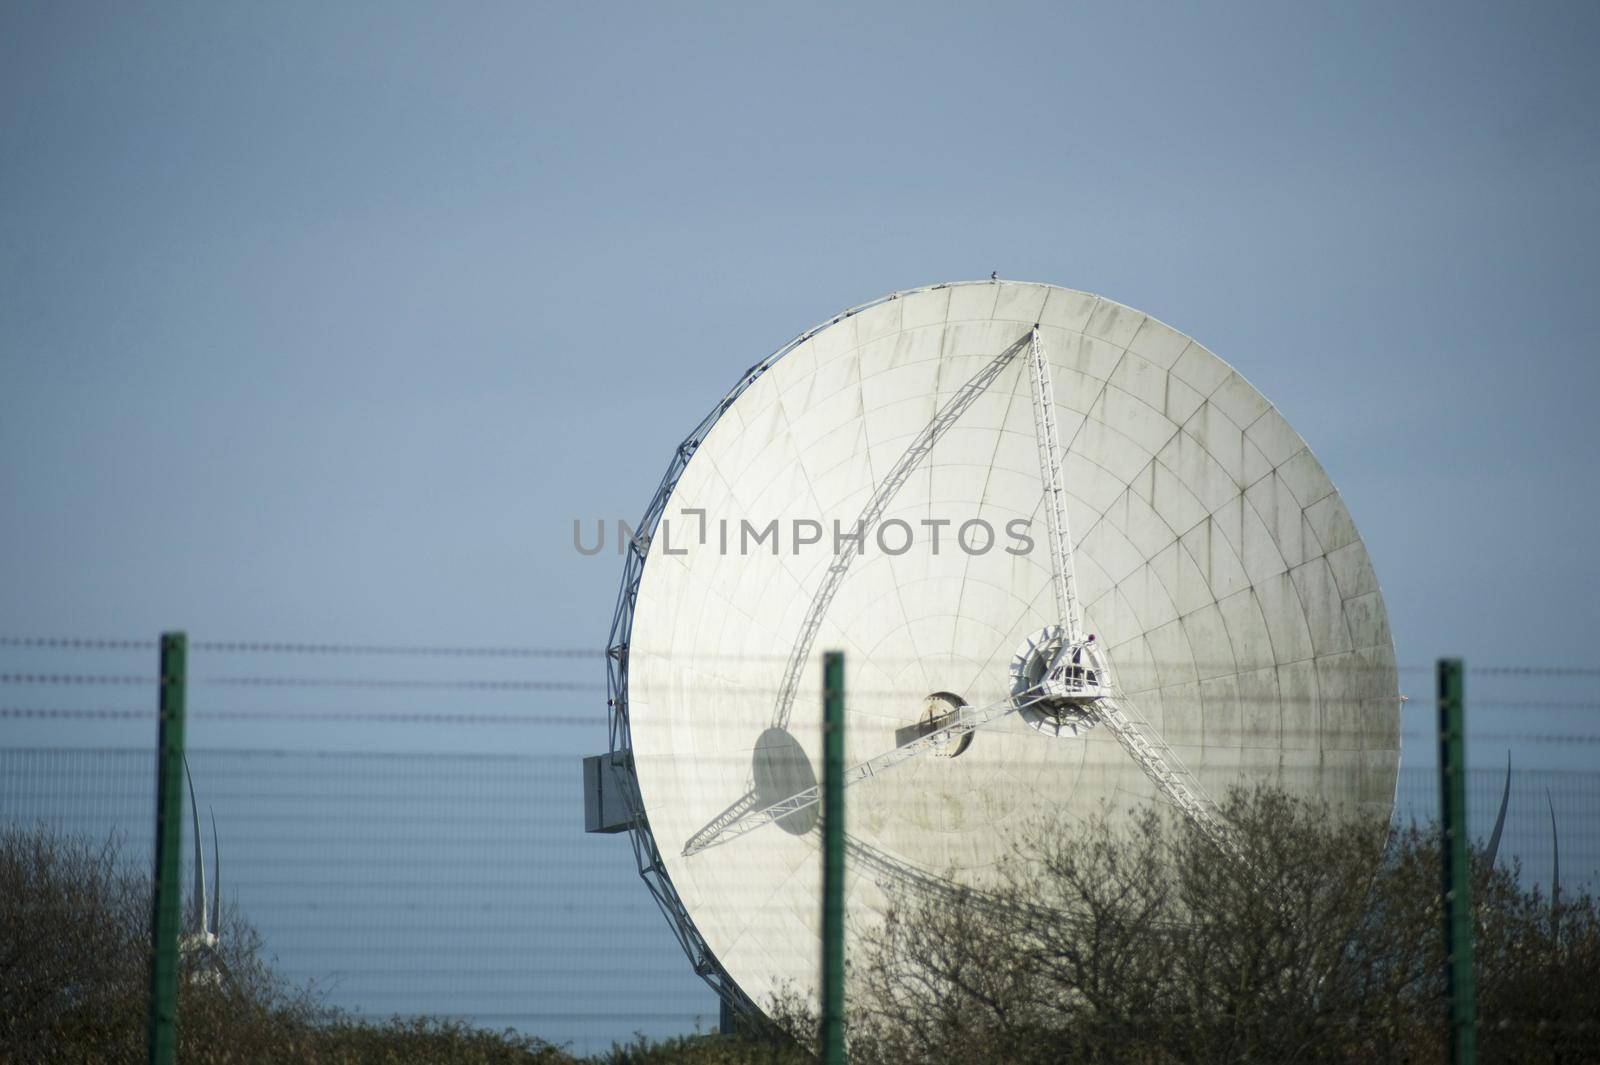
pixel 742 818
pixel 1079 679
pixel 867 521
pixel 1162 765
pixel 1158 760
pixel 1044 430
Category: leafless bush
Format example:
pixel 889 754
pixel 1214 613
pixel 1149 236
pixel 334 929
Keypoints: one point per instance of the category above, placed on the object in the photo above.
pixel 75 981
pixel 73 949
pixel 1134 939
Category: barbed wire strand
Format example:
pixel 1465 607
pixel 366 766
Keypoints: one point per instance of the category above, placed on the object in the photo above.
pixel 575 720
pixel 287 647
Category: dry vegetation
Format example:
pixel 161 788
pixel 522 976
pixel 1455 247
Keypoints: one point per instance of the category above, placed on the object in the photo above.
pixel 1131 940
pixel 75 975
pixel 1127 940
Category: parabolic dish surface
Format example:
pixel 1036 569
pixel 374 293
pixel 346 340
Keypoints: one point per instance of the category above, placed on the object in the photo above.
pixel 1214 561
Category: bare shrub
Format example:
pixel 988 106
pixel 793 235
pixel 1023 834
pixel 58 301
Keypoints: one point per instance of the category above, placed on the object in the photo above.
pixel 1134 939
pixel 75 981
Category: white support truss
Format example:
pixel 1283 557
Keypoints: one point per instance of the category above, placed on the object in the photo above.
pixel 1142 742
pixel 1162 765
pixel 1078 681
pixel 1055 505
pixel 743 817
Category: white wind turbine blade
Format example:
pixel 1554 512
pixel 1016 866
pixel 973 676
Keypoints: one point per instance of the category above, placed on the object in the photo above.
pixel 216 881
pixel 200 907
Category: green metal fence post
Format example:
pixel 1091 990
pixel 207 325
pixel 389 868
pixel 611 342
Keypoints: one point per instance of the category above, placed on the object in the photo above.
pixel 169 848
pixel 1456 881
pixel 833 858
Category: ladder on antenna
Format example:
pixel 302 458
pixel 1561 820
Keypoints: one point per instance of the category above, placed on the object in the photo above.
pixel 1064 580
pixel 1159 761
pixel 1163 766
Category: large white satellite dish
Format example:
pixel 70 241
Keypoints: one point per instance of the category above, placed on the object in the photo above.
pixel 1238 633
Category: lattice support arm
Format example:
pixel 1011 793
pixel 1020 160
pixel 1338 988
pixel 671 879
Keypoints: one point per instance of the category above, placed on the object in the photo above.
pixel 742 817
pixel 1063 578
pixel 1176 783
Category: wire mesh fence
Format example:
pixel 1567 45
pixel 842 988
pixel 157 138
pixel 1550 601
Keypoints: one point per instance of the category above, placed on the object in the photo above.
pixel 405 825
pixel 438 884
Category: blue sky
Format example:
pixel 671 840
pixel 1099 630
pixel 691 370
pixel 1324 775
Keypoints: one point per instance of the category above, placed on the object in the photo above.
pixel 327 319
pixel 323 322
